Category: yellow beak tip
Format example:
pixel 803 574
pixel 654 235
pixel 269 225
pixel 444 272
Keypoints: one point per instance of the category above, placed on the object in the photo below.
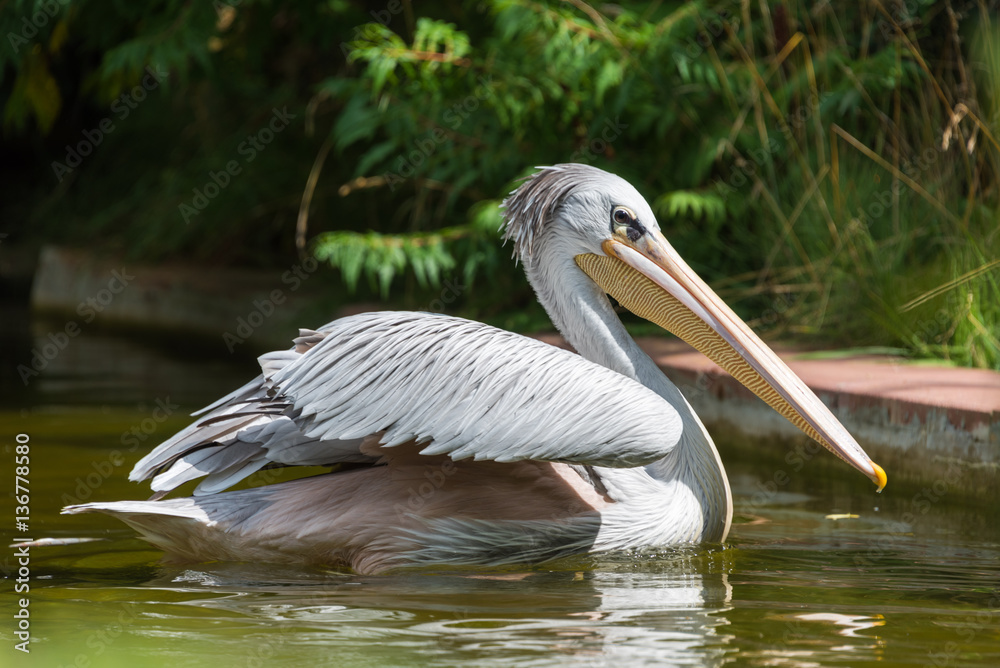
pixel 880 476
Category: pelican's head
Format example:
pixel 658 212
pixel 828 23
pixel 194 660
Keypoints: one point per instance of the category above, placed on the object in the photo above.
pixel 608 229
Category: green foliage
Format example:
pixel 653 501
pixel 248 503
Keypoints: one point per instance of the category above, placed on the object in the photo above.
pixel 430 255
pixel 795 152
pixel 679 203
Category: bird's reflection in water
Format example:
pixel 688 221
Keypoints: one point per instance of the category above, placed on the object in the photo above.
pixel 664 607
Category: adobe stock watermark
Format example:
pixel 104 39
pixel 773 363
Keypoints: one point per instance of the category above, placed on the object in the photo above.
pixel 423 148
pixel 30 27
pixel 99 641
pixel 984 619
pixel 264 308
pixel 782 302
pixel 887 542
pixel 57 341
pixel 913 169
pixel 799 454
pixel 434 478
pixel 120 108
pixel 367 31
pixel 451 290
pixel 610 131
pixel 100 470
pixel 742 171
pixel 902 13
pixel 714 28
pixel 248 150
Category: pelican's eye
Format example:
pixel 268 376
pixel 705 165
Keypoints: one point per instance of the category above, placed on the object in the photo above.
pixel 624 222
pixel 622 216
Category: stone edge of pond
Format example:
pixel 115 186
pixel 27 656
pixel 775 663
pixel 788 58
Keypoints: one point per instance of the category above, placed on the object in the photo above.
pixel 241 311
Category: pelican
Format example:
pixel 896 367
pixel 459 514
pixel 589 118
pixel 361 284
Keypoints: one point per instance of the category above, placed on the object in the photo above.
pixel 462 444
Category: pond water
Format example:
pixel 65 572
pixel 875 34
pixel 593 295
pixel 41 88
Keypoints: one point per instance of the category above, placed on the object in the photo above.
pixel 912 580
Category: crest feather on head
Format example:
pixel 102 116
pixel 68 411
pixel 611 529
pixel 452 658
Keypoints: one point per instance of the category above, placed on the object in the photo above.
pixel 534 203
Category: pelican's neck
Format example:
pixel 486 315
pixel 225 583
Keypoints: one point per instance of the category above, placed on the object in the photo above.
pixel 583 315
pixel 581 312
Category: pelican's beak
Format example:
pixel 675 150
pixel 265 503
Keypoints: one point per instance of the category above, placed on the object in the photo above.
pixel 649 278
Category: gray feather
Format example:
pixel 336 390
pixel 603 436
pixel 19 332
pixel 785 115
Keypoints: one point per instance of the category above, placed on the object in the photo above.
pixel 461 388
pixel 536 201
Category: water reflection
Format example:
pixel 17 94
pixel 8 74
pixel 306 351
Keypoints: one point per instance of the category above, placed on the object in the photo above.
pixel 670 616
pixel 754 604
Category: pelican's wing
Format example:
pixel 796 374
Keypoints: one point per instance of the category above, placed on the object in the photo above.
pixel 460 388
